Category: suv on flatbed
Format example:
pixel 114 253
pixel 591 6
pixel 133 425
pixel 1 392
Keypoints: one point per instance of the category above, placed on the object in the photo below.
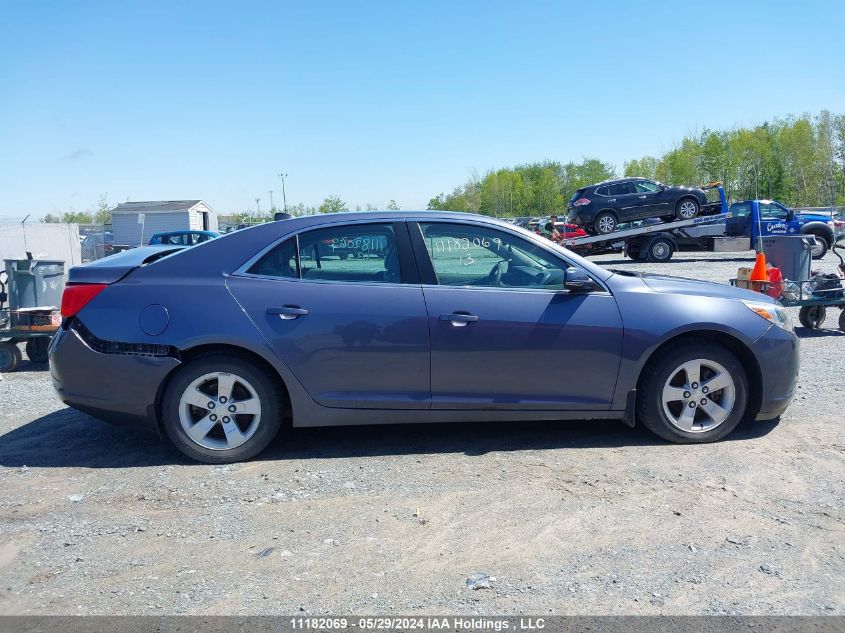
pixel 600 208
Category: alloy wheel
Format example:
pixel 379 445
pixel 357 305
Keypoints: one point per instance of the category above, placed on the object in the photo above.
pixel 698 396
pixel 606 224
pixel 687 210
pixel 220 411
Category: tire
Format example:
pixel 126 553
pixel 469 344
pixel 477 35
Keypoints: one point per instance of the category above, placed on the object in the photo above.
pixel 842 320
pixel 659 250
pixel 820 249
pixel 635 251
pixel 665 372
pixel 812 317
pixel 687 209
pixel 244 435
pixel 10 357
pixel 604 223
pixel 36 350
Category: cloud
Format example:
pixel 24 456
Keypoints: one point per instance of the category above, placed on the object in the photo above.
pixel 82 152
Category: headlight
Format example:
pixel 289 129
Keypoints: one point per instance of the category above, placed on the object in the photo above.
pixel 773 313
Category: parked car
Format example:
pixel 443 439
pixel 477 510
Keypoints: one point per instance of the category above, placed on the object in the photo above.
pixel 183 238
pixel 466 318
pixel 567 230
pixel 600 208
pixel 97 245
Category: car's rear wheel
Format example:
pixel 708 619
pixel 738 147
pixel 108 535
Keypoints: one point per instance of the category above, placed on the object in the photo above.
pixel 692 393
pixel 660 250
pixel 605 222
pixel 686 209
pixel 220 409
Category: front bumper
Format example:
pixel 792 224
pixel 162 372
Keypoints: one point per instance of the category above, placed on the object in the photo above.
pixel 116 388
pixel 778 354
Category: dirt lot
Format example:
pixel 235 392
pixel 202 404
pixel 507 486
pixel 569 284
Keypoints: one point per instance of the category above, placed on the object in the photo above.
pixel 581 517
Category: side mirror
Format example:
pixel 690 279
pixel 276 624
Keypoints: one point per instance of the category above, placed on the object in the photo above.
pixel 577 280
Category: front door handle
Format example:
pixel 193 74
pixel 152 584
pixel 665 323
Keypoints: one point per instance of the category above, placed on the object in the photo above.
pixel 642 197
pixel 288 312
pixel 459 319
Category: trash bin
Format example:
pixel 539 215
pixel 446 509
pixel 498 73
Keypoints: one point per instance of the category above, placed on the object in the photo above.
pixel 791 253
pixel 35 282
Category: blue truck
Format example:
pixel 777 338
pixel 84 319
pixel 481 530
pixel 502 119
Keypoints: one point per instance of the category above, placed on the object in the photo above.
pixel 756 218
pixel 733 228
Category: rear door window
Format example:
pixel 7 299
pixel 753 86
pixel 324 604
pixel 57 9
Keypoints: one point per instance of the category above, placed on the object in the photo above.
pixel 621 189
pixel 350 253
pixel 740 209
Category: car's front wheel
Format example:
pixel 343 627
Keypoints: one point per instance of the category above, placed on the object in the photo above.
pixel 820 246
pixel 687 209
pixel 692 392
pixel 220 409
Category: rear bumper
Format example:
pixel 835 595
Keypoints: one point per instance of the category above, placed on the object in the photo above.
pixel 777 352
pixel 117 388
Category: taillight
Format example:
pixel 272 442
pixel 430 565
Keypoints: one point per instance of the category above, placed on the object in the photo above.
pixel 580 202
pixel 838 223
pixel 76 296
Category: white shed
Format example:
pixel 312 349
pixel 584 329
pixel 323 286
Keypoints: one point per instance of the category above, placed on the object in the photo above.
pixel 134 223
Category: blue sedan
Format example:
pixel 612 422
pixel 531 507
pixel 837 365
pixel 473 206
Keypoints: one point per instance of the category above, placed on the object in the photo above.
pixel 371 318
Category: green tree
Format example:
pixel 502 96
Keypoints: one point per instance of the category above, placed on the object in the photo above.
pixel 645 167
pixel 103 213
pixel 332 204
pixel 392 206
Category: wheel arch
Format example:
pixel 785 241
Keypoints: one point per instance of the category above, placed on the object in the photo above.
pixel 191 354
pixel 819 229
pixel 688 196
pixel 734 345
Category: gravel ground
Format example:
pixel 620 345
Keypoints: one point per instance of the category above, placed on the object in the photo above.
pixel 580 517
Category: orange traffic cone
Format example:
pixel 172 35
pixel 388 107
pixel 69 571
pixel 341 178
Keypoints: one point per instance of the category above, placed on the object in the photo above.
pixel 759 272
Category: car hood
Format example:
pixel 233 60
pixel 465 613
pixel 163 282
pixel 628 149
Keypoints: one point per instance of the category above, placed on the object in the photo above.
pixel 682 286
pixel 809 216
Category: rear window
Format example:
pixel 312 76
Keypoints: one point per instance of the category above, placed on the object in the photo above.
pixel 577 195
pixel 740 209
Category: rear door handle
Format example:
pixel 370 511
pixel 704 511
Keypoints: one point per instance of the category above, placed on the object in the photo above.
pixel 288 312
pixel 459 319
pixel 642 197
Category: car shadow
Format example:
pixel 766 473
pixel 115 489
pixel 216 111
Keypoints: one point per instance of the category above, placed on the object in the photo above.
pixel 68 438
pixel 721 260
pixel 803 332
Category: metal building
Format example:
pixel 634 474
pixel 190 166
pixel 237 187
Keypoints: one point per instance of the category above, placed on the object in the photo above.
pixel 134 223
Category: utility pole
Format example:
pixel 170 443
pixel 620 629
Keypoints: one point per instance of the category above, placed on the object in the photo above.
pixel 272 204
pixel 257 205
pixel 284 197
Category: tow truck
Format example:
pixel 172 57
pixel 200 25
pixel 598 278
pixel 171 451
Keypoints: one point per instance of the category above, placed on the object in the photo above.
pixel 735 229
pixel 653 242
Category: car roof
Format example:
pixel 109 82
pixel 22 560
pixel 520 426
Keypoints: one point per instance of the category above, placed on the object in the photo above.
pixel 616 180
pixel 185 232
pixel 230 251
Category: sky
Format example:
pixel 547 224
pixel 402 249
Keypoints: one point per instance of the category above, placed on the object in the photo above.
pixel 373 101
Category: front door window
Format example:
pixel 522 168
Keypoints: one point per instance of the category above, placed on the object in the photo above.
pixel 472 255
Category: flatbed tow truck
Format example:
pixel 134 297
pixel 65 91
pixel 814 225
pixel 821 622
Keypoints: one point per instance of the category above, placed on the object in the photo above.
pixel 652 242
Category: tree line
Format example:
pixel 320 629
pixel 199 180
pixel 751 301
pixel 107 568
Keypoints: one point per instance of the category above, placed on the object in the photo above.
pixel 797 160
